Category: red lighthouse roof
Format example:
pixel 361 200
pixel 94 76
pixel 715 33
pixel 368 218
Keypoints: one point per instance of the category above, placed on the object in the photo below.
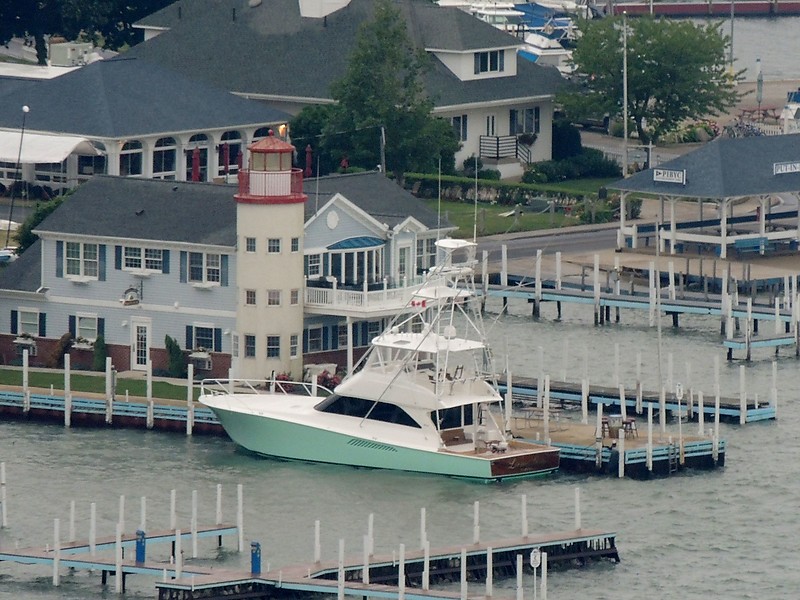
pixel 271 144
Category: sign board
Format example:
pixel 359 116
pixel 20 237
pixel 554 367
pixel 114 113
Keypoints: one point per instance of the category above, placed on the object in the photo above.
pixel 782 168
pixel 536 558
pixel 670 176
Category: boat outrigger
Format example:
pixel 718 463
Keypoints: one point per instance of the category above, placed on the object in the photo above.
pixel 421 399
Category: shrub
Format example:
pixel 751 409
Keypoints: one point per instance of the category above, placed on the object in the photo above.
pixel 100 354
pixel 566 140
pixel 56 358
pixel 176 363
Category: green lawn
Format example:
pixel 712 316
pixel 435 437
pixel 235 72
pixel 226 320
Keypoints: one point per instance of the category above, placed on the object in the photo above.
pixel 82 382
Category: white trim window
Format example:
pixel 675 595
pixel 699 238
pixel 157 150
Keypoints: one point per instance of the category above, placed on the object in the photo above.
pixel 295 245
pixel 315 339
pixel 274 246
pixel 294 297
pixel 273 297
pixel 203 334
pixel 165 154
pixel 314 268
pixel 142 259
pixel 204 268
pixel 426 253
pixel 273 346
pixel 249 346
pixel 491 61
pixel 250 244
pixel 294 346
pixel 86 326
pixel 27 322
pixel 460 126
pixel 525 120
pixel 250 297
pixel 81 260
pixel 342 336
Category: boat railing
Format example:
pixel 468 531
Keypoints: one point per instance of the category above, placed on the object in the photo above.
pixel 366 298
pixel 228 387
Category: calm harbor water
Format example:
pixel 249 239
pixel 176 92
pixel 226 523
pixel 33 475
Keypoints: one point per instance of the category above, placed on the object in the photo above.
pixel 772 39
pixel 724 534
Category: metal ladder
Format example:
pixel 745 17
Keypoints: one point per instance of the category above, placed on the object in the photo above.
pixel 674 458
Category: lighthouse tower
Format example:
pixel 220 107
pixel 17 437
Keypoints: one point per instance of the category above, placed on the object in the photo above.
pixel 269 263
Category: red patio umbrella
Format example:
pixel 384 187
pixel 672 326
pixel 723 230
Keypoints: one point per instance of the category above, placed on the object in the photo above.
pixel 196 164
pixel 308 171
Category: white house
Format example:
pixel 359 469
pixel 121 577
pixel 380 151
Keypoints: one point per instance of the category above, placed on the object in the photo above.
pixel 288 53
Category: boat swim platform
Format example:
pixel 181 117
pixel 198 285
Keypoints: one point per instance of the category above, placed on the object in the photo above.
pixel 570 395
pixel 443 566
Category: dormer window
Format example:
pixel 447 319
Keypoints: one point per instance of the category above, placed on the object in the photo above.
pixel 491 61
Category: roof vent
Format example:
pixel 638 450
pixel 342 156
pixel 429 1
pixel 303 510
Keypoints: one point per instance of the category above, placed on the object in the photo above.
pixel 254 3
pixel 140 212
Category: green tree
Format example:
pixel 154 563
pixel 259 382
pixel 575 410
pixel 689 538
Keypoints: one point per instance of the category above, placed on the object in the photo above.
pixel 100 354
pixel 108 23
pixel 176 362
pixel 676 70
pixel 383 88
pixel 24 234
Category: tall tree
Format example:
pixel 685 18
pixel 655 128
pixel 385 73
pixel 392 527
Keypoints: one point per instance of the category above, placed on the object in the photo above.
pixel 676 70
pixel 381 97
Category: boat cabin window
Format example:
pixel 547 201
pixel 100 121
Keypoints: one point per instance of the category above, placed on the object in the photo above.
pixel 361 408
pixel 452 418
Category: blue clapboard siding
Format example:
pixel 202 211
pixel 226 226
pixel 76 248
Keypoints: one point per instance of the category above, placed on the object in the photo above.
pixel 160 291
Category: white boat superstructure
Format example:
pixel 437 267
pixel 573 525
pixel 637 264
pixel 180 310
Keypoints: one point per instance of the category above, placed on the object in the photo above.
pixel 421 399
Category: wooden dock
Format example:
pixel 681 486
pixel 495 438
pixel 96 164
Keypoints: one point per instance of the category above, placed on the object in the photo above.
pixel 405 575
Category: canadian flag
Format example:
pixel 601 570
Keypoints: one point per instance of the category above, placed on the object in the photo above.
pixel 418 303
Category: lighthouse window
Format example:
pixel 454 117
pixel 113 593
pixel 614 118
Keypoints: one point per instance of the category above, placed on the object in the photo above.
pixel 250 244
pixel 293 346
pixel 274 245
pixel 249 346
pixel 295 244
pixel 273 297
pixel 294 297
pixel 250 297
pixel 273 346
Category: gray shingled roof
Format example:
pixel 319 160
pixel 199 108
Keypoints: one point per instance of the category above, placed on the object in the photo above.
pixel 271 50
pixel 126 97
pixel 148 209
pixel 726 168
pixel 373 193
pixel 25 273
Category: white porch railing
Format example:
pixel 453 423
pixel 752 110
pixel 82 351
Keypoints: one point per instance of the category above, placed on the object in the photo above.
pixel 387 297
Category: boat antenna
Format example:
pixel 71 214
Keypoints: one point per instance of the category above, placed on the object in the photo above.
pixel 439 206
pixel 475 216
pixel 316 192
pixel 25 110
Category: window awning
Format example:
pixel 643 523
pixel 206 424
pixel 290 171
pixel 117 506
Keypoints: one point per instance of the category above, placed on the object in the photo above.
pixel 352 243
pixel 41 148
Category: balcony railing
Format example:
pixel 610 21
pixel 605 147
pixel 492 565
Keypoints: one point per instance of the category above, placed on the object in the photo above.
pixel 504 146
pixel 271 183
pixel 366 298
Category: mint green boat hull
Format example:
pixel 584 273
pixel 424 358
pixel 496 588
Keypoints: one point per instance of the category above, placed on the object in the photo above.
pixel 291 441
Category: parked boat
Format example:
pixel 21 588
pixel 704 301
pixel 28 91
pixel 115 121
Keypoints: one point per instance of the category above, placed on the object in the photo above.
pixel 546 51
pixel 422 398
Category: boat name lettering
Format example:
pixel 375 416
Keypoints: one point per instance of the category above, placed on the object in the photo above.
pixel 670 176
pixel 782 168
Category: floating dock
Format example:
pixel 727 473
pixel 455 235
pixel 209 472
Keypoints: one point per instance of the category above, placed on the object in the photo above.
pixel 398 575
pixel 740 8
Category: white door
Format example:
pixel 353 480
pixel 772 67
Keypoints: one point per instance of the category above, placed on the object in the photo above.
pixel 140 343
pixel 403 262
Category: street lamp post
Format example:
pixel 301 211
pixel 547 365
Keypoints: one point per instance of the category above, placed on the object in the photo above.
pixel 25 110
pixel 625 93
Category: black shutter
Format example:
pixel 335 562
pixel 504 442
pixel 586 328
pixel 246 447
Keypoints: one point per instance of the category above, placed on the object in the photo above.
pixel 217 339
pixel 184 266
pixel 101 327
pixel 223 270
pixel 165 261
pixel 14 323
pixel 42 324
pixel 72 325
pixel 118 257
pixel 101 262
pixel 59 259
pixel 189 337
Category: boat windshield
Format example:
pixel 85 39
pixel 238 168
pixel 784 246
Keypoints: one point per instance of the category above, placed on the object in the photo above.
pixel 350 406
pixel 450 418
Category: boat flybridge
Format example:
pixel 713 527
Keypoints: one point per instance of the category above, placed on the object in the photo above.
pixel 421 399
